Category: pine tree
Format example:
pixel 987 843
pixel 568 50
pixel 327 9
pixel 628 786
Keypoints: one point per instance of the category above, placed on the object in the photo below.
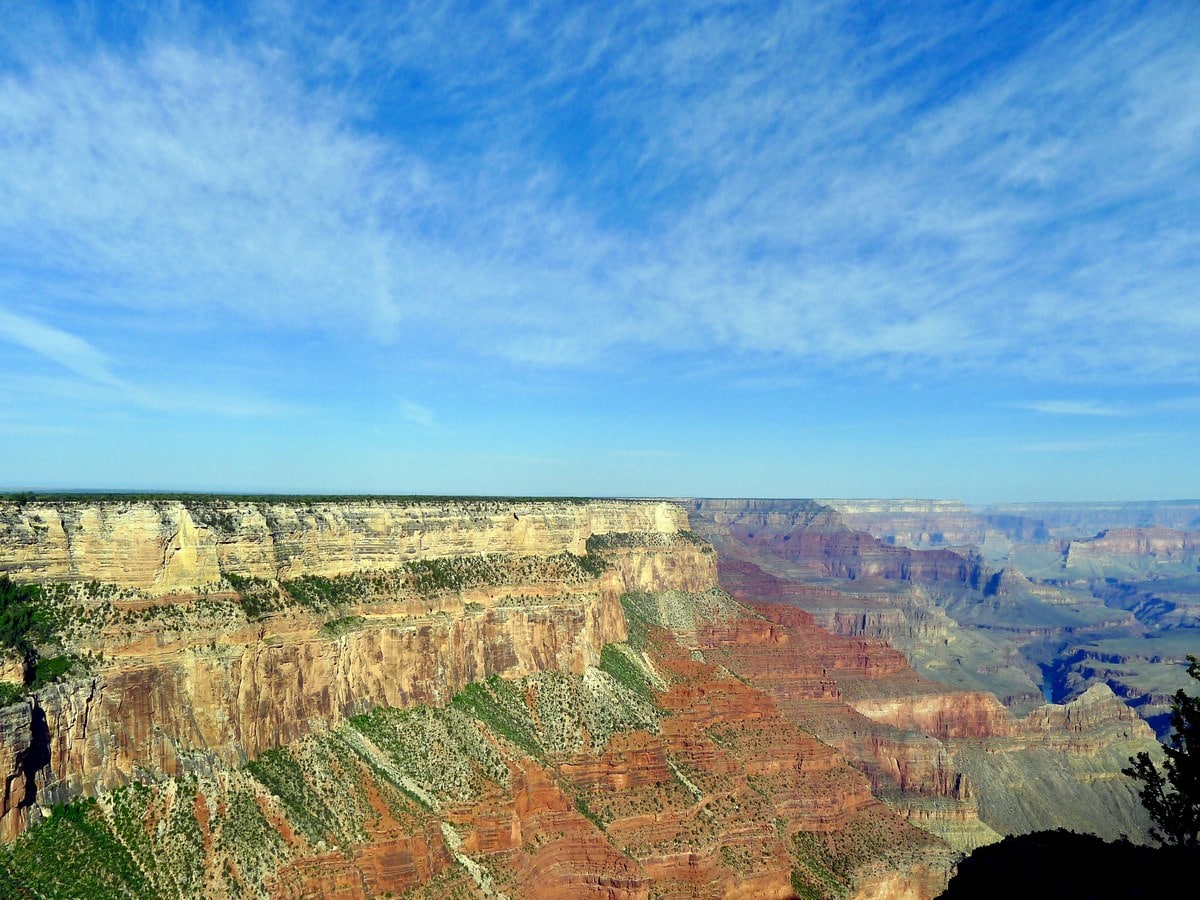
pixel 1172 795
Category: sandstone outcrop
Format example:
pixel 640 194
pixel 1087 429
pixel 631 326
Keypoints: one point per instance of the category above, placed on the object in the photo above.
pixel 1124 550
pixel 163 547
pixel 186 679
pixel 546 785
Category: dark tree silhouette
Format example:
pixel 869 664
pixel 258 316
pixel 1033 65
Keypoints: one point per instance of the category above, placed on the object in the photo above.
pixel 1172 794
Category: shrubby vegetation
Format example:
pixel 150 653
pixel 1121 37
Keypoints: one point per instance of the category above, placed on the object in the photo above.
pixel 342 625
pixel 1171 795
pixel 23 622
pixel 281 774
pixel 51 669
pixel 73 854
pixel 213 517
pixel 499 706
pixel 420 578
pixel 28 625
pixel 319 593
pixel 617 663
pixel 442 752
pixel 615 540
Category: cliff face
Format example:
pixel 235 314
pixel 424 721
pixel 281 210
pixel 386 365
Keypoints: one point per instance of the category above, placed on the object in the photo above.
pixel 903 612
pixel 816 537
pixel 1124 550
pixel 189 679
pixel 180 546
pixel 1072 753
pixel 657 771
pixel 956 761
pixel 944 716
pixel 919 524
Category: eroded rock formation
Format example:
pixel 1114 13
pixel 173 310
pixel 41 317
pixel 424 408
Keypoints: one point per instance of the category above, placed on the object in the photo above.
pixel 183 678
pixel 163 547
pixel 517 698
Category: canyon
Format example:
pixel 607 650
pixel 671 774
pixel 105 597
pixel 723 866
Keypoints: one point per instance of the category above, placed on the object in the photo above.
pixel 482 696
pixel 1044 601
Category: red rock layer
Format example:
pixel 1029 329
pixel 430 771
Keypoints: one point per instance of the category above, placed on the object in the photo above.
pixel 811 673
pixel 166 692
pixel 708 807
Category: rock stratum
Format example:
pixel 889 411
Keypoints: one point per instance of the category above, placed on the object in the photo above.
pixel 1083 593
pixel 487 697
pixel 194 672
pixel 164 547
pixel 962 742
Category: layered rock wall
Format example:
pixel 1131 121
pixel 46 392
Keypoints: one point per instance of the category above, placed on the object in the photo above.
pixel 172 546
pixel 914 523
pixel 1158 543
pixel 186 682
pixel 815 537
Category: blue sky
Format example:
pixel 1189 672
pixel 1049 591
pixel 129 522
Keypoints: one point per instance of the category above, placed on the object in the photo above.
pixel 649 248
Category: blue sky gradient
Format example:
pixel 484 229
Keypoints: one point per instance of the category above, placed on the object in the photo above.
pixel 769 249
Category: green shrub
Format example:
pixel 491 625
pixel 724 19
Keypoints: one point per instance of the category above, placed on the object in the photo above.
pixel 10 693
pixel 258 596
pixel 341 625
pixel 26 621
pixel 637 619
pixel 51 669
pixel 278 772
pixel 75 854
pixel 22 622
pixel 624 670
pixel 581 806
pixel 318 593
pixel 497 705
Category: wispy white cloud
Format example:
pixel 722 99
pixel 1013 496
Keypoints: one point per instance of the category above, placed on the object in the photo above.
pixel 101 389
pixel 1074 408
pixel 1064 446
pixel 419 415
pixel 62 347
pixel 186 181
pixel 917 199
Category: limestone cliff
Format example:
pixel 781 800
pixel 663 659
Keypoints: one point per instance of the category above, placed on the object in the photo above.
pixel 175 545
pixel 1125 551
pixel 337 609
